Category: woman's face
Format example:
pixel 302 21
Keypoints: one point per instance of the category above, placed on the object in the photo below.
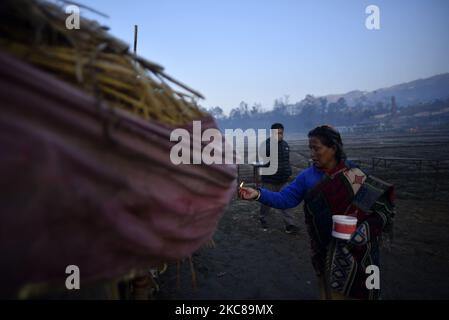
pixel 322 155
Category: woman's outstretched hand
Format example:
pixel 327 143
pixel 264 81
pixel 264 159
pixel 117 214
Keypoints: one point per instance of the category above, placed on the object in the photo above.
pixel 247 193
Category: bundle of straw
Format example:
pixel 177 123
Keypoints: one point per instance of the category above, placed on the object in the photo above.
pixel 90 58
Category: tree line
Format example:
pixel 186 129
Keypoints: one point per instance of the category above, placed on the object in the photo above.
pixel 313 111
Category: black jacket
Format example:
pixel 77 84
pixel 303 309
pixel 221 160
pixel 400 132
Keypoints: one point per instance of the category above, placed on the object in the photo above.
pixel 284 169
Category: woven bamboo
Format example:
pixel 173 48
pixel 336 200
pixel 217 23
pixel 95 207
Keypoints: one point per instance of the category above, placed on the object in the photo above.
pixel 92 59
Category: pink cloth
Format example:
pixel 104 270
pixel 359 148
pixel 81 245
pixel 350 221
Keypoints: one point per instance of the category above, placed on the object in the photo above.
pixel 82 184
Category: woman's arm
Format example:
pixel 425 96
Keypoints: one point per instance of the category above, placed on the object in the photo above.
pixel 288 197
pixel 379 220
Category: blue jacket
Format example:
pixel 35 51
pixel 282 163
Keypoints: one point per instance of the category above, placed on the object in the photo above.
pixel 294 193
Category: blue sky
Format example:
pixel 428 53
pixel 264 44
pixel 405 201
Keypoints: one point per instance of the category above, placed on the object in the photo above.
pixel 258 51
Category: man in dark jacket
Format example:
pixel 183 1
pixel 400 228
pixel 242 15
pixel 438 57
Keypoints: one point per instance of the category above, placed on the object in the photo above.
pixel 278 180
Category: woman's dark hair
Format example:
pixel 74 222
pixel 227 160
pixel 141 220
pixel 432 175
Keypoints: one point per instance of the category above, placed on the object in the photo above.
pixel 329 137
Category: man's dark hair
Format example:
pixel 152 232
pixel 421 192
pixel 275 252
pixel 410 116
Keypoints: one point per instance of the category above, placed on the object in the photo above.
pixel 329 137
pixel 277 125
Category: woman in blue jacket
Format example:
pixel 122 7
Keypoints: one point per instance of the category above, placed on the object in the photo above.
pixel 333 185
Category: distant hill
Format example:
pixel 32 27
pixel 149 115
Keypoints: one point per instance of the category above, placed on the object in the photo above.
pixel 409 93
pixel 422 103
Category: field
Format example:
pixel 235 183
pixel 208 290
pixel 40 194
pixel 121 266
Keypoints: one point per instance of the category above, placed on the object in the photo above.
pixel 249 263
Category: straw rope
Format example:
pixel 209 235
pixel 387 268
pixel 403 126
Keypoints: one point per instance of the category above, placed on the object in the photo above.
pixel 93 60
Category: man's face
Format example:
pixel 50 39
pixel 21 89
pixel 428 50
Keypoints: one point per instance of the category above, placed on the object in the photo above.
pixel 280 134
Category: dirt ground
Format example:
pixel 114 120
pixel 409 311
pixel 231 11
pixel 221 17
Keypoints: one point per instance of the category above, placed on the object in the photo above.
pixel 249 263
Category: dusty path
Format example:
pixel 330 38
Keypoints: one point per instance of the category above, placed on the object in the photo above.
pixel 249 263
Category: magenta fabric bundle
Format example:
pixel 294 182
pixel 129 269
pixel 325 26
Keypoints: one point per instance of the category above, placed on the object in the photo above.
pixel 86 185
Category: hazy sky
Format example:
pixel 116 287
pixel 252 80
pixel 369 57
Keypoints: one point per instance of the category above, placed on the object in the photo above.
pixel 257 51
